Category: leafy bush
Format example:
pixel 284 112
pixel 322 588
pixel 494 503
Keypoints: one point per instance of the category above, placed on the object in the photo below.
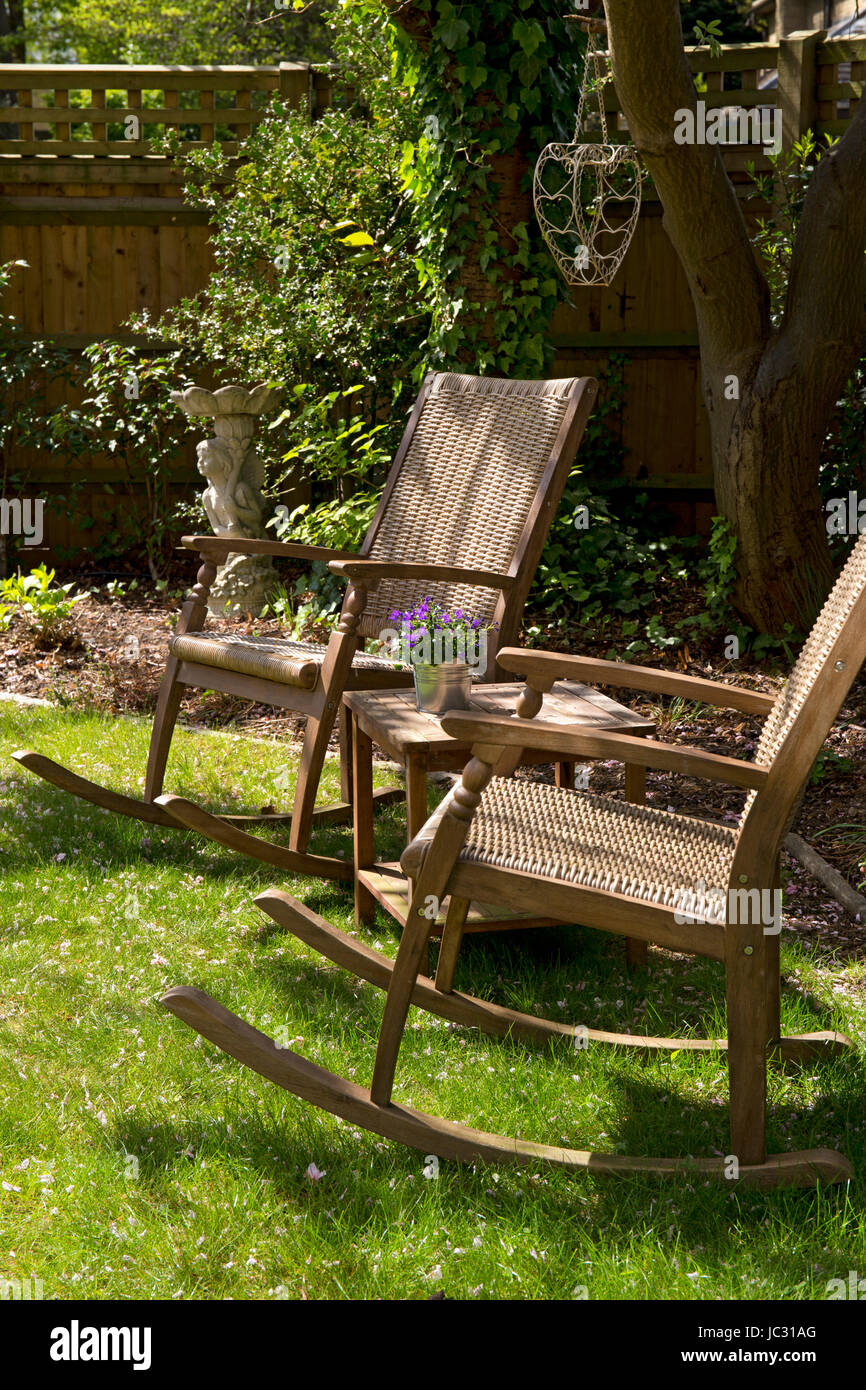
pixel 316 281
pixel 30 372
pixel 127 413
pixel 330 442
pixel 44 605
pixel 317 284
pixel 493 84
pixel 318 594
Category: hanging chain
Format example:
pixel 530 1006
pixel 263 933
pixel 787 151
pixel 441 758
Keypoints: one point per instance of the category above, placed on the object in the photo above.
pixel 593 56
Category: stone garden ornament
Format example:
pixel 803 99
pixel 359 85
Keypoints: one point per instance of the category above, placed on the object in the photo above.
pixel 233 497
pixel 587 196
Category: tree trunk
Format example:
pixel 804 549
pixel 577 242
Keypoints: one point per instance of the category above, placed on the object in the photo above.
pixel 770 392
pixel 766 472
pixel 12 22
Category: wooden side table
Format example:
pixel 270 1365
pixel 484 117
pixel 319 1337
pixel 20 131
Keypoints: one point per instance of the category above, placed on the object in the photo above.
pixel 415 739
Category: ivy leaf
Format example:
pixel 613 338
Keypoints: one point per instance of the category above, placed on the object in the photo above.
pixel 452 32
pixel 531 98
pixel 528 35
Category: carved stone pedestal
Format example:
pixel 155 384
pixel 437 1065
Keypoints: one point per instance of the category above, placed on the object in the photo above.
pixel 233 498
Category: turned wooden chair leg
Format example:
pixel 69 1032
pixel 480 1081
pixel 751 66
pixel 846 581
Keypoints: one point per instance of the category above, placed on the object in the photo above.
pixel 746 991
pixel 165 718
pixel 430 888
pixel 335 672
pixel 449 947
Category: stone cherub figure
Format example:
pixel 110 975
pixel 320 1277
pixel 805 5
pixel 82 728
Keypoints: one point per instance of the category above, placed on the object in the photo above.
pixel 235 506
pixel 233 502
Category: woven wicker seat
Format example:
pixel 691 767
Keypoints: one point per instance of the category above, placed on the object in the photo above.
pixel 272 658
pixel 639 852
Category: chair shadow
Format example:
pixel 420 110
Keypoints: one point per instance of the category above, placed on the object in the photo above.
pixel 126 843
pixel 165 1153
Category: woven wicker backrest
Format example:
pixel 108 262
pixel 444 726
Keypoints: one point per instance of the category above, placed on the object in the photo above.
pixel 802 705
pixel 464 492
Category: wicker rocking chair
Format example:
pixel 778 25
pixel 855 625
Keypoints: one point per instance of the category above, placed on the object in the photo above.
pixel 679 881
pixel 464 515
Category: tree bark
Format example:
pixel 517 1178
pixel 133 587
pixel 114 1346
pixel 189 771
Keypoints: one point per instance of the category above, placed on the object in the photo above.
pixel 767 438
pixel 11 51
pixel 12 22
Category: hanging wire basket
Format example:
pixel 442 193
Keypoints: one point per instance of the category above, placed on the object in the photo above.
pixel 587 196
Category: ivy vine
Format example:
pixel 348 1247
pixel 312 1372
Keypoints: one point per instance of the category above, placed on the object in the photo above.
pixel 495 83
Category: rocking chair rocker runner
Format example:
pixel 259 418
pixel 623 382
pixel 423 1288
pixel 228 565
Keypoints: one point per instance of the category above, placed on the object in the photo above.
pixel 464 515
pixel 632 870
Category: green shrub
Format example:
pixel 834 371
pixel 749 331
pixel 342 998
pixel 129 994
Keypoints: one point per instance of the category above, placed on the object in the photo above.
pixel 46 606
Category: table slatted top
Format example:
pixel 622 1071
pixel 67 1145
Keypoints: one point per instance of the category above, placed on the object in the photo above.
pixel 390 718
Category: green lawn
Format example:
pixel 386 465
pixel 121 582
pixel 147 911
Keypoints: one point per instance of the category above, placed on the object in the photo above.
pixel 140 1162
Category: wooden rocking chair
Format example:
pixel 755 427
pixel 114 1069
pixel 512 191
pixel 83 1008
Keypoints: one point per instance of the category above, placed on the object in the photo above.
pixel 464 515
pixel 688 884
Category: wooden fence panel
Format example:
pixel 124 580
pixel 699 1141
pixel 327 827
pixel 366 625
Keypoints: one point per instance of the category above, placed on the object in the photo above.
pixel 101 222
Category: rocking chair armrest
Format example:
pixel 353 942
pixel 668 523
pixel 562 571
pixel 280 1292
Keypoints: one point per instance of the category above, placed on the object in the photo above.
pixel 219 547
pixel 368 573
pixel 502 730
pixel 550 666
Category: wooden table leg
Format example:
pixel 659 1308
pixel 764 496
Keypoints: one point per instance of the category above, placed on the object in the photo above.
pixel 635 784
pixel 346 766
pixel 362 820
pixel 416 799
pixel 416 793
pixel 636 952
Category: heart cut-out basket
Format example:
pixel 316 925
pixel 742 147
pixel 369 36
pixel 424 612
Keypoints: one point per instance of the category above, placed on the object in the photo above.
pixel 587 196
pixel 587 201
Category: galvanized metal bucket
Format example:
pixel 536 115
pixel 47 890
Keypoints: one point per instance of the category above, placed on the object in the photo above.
pixel 441 686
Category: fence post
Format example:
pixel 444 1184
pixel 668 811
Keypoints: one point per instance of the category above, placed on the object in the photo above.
pixel 296 85
pixel 798 83
pixel 323 91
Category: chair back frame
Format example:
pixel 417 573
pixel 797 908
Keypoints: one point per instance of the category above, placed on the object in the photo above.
pixel 770 810
pixel 542 509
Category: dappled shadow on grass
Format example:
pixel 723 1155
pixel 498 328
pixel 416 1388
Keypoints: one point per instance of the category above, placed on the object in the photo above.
pixel 169 1153
pixel 33 813
pixel 45 815
pixel 370 1183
